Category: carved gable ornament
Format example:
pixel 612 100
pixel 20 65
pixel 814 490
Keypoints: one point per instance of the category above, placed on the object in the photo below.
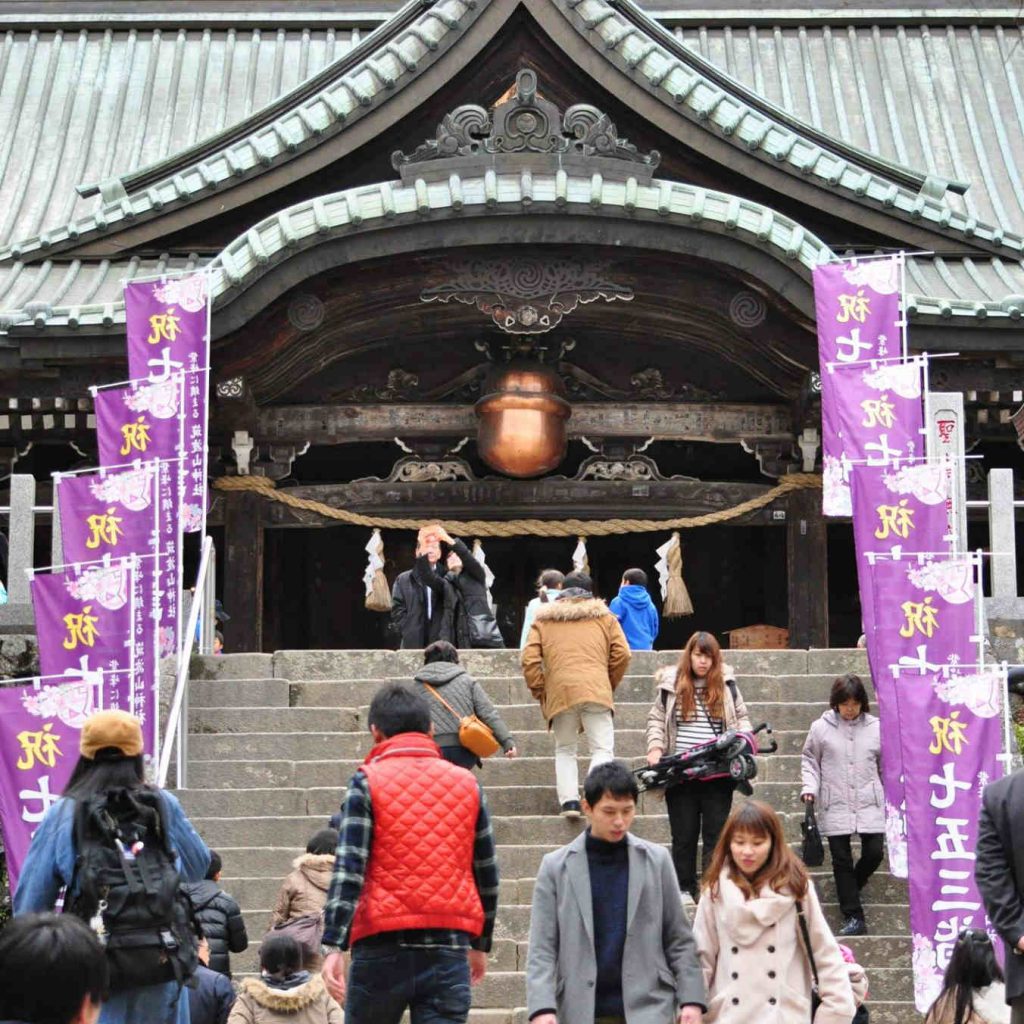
pixel 526 132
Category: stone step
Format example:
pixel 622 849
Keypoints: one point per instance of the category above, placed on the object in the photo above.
pixel 496 771
pixel 872 952
pixel 276 720
pixel 535 832
pixel 247 693
pixel 318 746
pixel 503 801
pixel 379 664
pixel 513 923
pixel 513 690
pixel 257 894
pixel 527 717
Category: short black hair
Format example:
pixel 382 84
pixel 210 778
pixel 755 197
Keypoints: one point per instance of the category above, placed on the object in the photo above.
pixel 635 577
pixel 399 708
pixel 215 864
pixel 551 578
pixel 611 777
pixel 440 650
pixel 49 963
pixel 280 955
pixel 849 687
pixel 578 580
pixel 324 841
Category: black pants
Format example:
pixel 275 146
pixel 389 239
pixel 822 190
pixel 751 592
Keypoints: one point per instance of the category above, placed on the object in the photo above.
pixel 696 809
pixel 461 756
pixel 851 879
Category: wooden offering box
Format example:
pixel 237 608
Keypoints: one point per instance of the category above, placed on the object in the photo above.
pixel 758 636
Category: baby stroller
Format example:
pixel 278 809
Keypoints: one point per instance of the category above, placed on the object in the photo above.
pixel 730 755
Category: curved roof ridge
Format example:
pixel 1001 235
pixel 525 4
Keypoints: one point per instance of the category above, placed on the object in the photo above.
pixel 923 181
pixel 367 208
pixel 399 51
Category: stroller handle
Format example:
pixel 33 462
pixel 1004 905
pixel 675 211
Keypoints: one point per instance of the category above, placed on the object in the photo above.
pixel 769 747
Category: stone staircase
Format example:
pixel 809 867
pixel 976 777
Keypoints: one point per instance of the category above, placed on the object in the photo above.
pixel 274 738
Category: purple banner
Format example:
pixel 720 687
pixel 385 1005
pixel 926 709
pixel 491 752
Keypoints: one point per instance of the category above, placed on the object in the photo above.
pixel 857 305
pixel 39 731
pixel 951 738
pixel 879 412
pixel 92 617
pixel 895 508
pixel 168 325
pixel 119 512
pixel 139 421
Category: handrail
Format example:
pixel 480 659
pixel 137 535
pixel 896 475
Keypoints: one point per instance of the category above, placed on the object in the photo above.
pixel 181 681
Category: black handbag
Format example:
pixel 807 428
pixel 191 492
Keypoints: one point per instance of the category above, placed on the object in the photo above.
pixel 484 632
pixel 813 851
pixel 815 993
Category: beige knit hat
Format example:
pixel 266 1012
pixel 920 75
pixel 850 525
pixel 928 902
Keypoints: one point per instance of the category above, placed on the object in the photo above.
pixel 111 729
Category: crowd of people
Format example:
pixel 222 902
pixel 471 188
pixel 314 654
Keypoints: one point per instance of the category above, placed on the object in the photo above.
pixel 393 906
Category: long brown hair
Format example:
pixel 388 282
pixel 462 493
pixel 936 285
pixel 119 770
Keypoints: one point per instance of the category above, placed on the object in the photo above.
pixel 714 695
pixel 783 871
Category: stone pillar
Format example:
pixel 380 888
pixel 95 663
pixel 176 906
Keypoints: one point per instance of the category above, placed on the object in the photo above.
pixel 22 537
pixel 1002 533
pixel 243 572
pixel 56 538
pixel 807 568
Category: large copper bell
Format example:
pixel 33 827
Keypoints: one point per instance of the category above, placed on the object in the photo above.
pixel 522 416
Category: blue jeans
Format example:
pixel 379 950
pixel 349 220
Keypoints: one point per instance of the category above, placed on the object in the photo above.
pixel 385 979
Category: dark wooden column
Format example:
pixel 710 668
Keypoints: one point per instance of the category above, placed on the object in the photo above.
pixel 243 572
pixel 807 566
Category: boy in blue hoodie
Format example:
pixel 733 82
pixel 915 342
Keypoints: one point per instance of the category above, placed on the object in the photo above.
pixel 635 611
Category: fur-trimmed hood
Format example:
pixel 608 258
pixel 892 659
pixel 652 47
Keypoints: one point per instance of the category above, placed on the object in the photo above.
pixel 289 1000
pixel 572 609
pixel 317 867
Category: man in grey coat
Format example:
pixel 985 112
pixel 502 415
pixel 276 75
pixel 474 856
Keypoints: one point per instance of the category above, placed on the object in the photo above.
pixel 999 872
pixel 609 941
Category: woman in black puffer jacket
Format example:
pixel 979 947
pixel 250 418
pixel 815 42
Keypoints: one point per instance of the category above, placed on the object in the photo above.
pixel 475 625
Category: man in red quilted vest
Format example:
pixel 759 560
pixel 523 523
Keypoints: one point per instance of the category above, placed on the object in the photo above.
pixel 415 885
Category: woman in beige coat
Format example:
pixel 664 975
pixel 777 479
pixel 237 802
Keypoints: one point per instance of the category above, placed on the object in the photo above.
pixel 284 993
pixel 304 891
pixel 696 701
pixel 755 962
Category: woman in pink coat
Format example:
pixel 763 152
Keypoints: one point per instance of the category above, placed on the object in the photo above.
pixel 757 966
pixel 840 769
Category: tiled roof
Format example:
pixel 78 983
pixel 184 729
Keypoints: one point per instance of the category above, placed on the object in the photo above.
pixel 945 97
pixel 173 98
pixel 87 294
pixel 94 105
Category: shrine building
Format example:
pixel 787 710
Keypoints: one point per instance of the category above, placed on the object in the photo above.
pixel 608 212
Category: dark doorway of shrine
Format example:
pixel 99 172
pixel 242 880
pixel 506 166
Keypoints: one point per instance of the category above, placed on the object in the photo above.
pixel 313 589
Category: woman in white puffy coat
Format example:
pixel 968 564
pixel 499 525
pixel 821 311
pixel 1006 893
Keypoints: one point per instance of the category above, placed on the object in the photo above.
pixel 840 772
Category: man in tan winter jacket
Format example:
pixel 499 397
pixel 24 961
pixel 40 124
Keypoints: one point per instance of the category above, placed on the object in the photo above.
pixel 575 656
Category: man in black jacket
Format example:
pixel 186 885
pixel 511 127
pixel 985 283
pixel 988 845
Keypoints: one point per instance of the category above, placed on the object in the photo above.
pixel 422 600
pixel 999 872
pixel 219 918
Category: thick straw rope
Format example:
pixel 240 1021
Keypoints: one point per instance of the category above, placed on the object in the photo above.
pixel 521 527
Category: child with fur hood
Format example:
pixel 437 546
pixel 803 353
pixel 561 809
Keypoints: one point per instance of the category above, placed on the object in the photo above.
pixel 284 993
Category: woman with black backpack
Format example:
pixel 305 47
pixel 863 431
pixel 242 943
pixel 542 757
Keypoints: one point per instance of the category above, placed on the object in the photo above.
pixel 122 848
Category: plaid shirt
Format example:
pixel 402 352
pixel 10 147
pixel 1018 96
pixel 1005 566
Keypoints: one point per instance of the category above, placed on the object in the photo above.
pixel 354 842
